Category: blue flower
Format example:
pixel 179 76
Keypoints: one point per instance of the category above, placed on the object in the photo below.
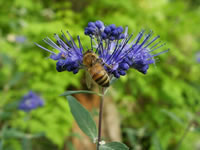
pixel 98 30
pixel 114 47
pixel 94 29
pixel 122 54
pixel 70 55
pixel 20 39
pixel 198 57
pixel 30 101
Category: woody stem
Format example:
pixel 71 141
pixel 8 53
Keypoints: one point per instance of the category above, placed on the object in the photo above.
pixel 100 120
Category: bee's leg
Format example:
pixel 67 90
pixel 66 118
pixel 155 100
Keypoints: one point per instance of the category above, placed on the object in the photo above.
pixel 99 60
pixel 107 65
pixel 103 63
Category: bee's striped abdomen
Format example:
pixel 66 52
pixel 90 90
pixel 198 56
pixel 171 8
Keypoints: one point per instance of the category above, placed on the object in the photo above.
pixel 101 78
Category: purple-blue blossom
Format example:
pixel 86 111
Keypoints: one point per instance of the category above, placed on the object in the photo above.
pixel 30 101
pixel 94 28
pixel 126 53
pixel 198 57
pixel 20 39
pixel 69 56
pixel 117 50
pixel 100 31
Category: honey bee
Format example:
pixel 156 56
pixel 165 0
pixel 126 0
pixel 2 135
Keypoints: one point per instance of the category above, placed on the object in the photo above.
pixel 95 68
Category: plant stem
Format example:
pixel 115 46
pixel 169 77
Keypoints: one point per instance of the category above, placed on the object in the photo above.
pixel 100 119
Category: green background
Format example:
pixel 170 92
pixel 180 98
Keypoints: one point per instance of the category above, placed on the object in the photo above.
pixel 155 108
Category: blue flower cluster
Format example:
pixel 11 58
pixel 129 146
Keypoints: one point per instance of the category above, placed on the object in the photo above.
pixel 30 101
pixel 113 46
pixel 70 55
pixel 94 28
pixel 122 54
pixel 110 32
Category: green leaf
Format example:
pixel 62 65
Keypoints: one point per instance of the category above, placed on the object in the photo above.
pixel 26 144
pixel 114 146
pixel 16 78
pixel 78 92
pixel 11 106
pixel 172 116
pixel 83 118
pixel 12 133
pixel 156 143
pixel 6 59
pixel 131 136
pixel 5 115
pixel 38 135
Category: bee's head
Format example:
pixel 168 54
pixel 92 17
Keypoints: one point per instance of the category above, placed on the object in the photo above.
pixel 89 58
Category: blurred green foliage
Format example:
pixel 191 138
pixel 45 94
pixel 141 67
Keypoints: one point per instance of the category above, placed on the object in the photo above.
pixel 155 108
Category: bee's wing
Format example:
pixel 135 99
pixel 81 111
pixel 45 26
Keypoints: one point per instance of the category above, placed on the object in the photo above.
pixel 88 79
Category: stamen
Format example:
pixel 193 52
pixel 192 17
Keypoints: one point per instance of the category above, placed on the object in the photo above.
pixel 101 46
pixel 80 45
pixel 61 42
pixel 136 51
pixel 160 53
pixel 52 44
pixel 140 36
pixel 157 47
pixel 150 34
pixel 126 31
pixel 155 44
pixel 68 42
pixel 115 50
pixel 152 41
pixel 71 39
pixel 44 48
pixel 119 51
pixel 143 42
pixel 97 49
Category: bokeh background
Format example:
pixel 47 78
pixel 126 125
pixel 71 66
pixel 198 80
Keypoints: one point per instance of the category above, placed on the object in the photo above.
pixel 157 111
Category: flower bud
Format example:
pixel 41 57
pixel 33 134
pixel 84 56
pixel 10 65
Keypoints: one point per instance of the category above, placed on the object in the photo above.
pixel 107 30
pixel 112 26
pixel 99 24
pixel 91 24
pixel 122 72
pixel 124 66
